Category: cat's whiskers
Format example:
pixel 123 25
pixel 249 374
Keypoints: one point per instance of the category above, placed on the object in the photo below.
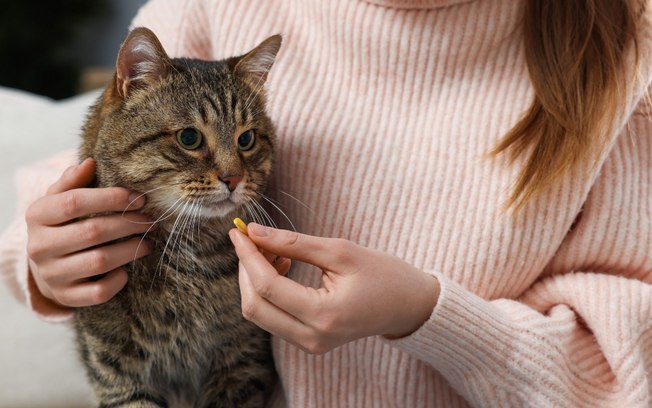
pixel 194 220
pixel 304 205
pixel 248 211
pixel 147 192
pixel 184 216
pixel 269 200
pixel 159 268
pixel 177 240
pixel 163 216
pixel 265 214
pixel 185 231
pixel 252 211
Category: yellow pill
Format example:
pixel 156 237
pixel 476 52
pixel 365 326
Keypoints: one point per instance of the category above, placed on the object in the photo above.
pixel 241 225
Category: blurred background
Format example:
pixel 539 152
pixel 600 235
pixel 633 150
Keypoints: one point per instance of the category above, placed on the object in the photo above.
pixel 61 48
pixel 56 49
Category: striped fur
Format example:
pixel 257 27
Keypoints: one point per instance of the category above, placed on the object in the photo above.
pixel 175 335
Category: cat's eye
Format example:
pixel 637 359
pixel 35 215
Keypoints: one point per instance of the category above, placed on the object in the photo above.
pixel 189 138
pixel 246 140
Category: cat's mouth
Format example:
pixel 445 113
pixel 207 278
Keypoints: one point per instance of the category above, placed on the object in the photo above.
pixel 205 204
pixel 215 208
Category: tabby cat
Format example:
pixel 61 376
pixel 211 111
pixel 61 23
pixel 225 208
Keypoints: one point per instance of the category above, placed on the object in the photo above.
pixel 194 137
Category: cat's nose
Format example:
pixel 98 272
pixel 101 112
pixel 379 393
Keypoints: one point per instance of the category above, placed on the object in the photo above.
pixel 231 181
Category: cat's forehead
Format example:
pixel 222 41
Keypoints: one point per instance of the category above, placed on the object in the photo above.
pixel 199 93
pixel 196 84
pixel 204 75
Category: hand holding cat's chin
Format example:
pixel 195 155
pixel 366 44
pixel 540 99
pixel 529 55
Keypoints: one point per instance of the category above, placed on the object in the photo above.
pixel 72 259
pixel 363 293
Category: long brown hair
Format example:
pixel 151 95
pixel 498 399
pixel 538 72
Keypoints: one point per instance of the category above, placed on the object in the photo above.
pixel 577 56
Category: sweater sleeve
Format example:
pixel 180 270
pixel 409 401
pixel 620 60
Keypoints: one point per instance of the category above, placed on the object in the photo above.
pixel 31 183
pixel 582 334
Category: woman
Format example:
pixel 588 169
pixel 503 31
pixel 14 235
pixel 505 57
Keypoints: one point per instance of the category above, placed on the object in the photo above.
pixel 487 167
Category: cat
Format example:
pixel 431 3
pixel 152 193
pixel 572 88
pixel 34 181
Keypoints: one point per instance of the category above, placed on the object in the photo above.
pixel 194 137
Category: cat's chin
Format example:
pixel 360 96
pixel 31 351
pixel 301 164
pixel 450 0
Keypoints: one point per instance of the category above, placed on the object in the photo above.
pixel 220 210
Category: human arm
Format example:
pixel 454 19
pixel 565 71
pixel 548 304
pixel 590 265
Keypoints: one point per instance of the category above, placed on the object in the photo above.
pixel 363 293
pixel 580 335
pixel 48 254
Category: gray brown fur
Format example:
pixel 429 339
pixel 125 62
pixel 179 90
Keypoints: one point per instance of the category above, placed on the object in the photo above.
pixel 175 335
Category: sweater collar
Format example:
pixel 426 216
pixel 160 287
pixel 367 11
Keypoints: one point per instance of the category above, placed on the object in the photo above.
pixel 416 4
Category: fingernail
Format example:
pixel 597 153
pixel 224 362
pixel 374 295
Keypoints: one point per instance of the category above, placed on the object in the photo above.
pixel 83 163
pixel 259 230
pixel 233 235
pixel 136 200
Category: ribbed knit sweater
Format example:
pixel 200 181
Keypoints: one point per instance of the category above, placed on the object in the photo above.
pixel 385 112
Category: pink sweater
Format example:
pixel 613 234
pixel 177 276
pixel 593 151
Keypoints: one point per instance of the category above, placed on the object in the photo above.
pixel 385 110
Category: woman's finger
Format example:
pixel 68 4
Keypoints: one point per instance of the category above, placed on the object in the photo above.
pixel 69 205
pixel 98 260
pixel 90 293
pixel 280 263
pixel 322 252
pixel 90 232
pixel 286 294
pixel 269 317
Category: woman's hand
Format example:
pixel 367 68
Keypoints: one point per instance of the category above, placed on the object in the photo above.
pixel 67 257
pixel 363 292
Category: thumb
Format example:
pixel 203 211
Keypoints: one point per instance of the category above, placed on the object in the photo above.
pixel 318 251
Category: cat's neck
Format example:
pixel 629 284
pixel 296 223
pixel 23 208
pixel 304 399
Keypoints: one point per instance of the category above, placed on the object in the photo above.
pixel 200 233
pixel 186 253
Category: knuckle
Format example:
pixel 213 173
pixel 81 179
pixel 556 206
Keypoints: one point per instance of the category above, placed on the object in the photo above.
pixel 70 205
pixel 98 262
pixel 50 275
pixel 31 214
pixel 326 323
pixel 35 249
pixel 342 245
pixel 99 293
pixel 314 344
pixel 91 230
pixel 264 289
pixel 248 310
pixel 342 250
pixel 116 197
pixel 290 238
pixel 64 297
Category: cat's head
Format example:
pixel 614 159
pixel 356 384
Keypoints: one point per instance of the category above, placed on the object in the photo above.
pixel 193 135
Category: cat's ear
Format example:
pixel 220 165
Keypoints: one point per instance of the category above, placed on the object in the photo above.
pixel 141 61
pixel 255 65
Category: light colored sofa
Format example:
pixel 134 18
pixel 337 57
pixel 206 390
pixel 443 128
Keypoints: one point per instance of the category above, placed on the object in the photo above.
pixel 38 360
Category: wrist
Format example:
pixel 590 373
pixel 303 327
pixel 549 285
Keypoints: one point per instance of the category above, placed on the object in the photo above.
pixel 420 308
